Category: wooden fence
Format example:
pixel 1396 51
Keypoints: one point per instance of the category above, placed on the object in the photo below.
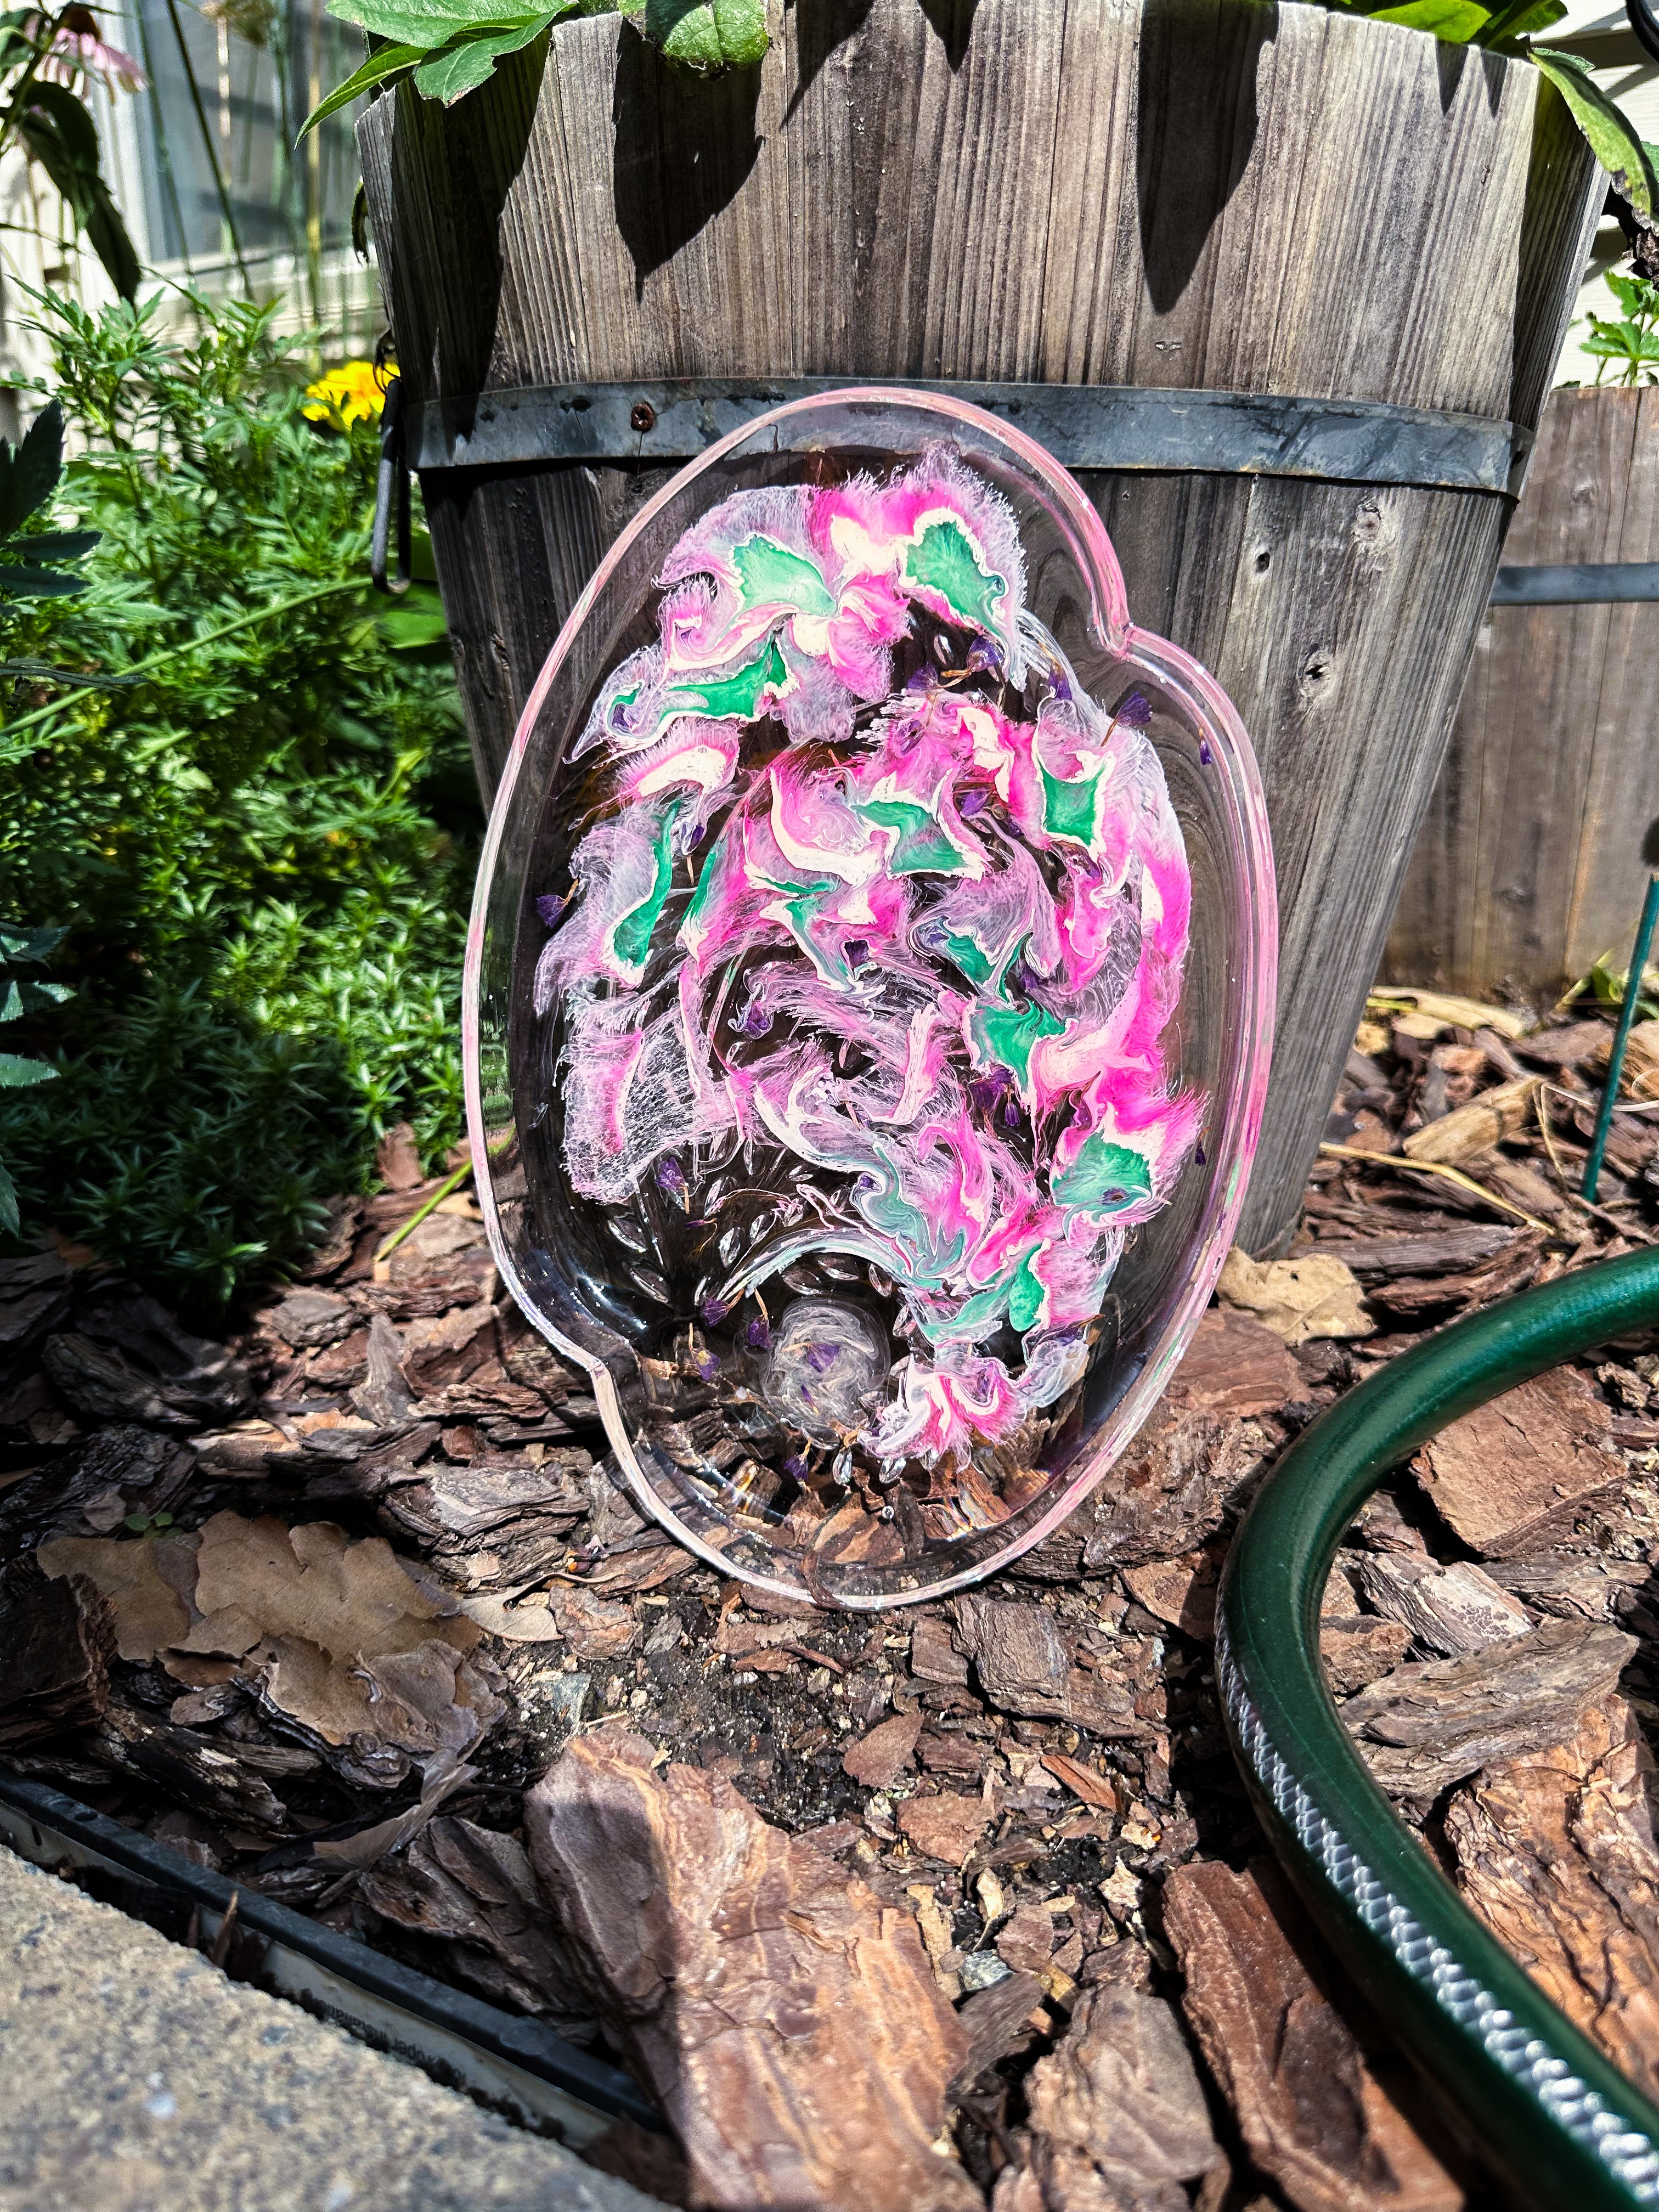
pixel 1527 868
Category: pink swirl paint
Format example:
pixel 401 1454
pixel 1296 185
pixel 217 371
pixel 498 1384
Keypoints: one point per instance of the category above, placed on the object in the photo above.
pixel 873 893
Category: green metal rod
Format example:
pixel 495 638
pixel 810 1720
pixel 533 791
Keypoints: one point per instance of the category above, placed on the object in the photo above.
pixel 1534 2096
pixel 1638 965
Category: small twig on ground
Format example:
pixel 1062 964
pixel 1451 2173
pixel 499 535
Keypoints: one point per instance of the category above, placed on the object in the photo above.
pixel 219 1949
pixel 446 1189
pixel 1548 1135
pixel 348 1880
pixel 1449 1175
pixel 1624 1106
pixel 1576 1197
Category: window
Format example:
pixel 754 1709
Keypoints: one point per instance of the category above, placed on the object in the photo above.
pixel 203 162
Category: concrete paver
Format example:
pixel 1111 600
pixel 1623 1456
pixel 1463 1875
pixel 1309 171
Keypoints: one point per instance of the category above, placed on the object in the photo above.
pixel 134 2077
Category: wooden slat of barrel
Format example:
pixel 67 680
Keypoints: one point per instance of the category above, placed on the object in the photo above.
pixel 1528 867
pixel 1193 193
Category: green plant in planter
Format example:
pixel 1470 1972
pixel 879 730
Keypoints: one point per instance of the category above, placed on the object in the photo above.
pixel 251 811
pixel 448 48
pixel 1629 346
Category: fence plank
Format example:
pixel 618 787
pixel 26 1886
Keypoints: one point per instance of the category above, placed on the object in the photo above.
pixel 1528 867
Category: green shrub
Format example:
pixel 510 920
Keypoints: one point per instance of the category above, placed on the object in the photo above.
pixel 261 850
pixel 1628 345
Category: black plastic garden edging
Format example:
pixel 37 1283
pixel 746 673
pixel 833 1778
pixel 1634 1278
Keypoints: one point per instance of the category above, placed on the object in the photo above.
pixel 515 2065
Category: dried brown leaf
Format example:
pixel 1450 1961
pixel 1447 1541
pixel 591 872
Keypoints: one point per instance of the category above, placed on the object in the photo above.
pixel 139 1578
pixel 1314 1296
pixel 259 1581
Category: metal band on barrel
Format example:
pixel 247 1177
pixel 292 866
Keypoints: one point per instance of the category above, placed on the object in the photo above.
pixel 1083 426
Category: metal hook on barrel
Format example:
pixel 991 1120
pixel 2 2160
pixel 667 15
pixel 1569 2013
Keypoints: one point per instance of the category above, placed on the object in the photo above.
pixel 391 488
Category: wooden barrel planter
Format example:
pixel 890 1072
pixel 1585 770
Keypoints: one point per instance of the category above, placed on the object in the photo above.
pixel 1527 869
pixel 1284 205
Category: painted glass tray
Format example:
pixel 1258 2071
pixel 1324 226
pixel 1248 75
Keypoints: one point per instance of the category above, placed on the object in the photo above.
pixel 868 999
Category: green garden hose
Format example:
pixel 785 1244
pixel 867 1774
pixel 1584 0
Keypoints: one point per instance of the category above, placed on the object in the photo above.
pixel 1559 2124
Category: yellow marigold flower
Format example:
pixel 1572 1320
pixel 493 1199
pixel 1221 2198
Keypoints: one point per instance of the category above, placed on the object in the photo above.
pixel 348 394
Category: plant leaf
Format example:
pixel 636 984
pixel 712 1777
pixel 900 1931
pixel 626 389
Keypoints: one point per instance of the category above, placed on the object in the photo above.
pixel 29 473
pixel 9 1220
pixel 452 45
pixel 705 35
pixel 67 116
pixel 380 68
pixel 43 671
pixel 18 1075
pixel 1457 22
pixel 56 544
pixel 20 579
pixel 417 619
pixel 29 948
pixel 1518 19
pixel 1611 135
pixel 466 64
pixel 55 130
pixel 1634 295
pixel 429 24
pixel 106 235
